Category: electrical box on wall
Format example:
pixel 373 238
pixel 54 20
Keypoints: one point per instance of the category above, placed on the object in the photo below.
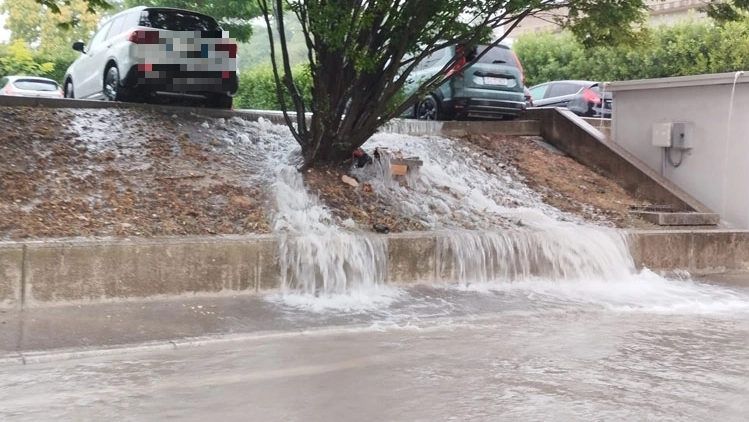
pixel 681 135
pixel 662 134
pixel 676 135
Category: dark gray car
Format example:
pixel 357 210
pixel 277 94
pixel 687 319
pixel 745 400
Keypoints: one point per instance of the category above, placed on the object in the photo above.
pixel 489 88
pixel 584 98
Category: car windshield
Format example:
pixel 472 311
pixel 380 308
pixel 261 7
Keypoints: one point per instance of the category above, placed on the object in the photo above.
pixel 178 20
pixel 35 85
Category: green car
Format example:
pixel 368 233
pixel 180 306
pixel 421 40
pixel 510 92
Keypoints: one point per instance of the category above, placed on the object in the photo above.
pixel 490 88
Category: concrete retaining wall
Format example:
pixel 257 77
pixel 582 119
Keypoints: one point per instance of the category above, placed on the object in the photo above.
pixel 37 273
pixel 694 251
pixel 63 271
pixel 11 274
pixel 583 142
pixel 11 101
pixel 461 128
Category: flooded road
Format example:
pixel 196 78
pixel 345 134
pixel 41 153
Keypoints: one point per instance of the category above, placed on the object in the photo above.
pixel 657 350
pixel 540 318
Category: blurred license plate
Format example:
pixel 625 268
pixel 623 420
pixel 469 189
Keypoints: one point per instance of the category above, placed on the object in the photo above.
pixel 489 80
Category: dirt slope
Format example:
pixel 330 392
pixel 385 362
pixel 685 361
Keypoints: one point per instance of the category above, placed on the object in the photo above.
pixel 66 173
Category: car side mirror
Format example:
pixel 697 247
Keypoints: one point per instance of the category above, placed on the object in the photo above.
pixel 78 46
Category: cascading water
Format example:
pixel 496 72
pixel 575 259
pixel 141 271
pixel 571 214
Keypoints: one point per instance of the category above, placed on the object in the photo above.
pixel 563 253
pixel 492 226
pixel 317 256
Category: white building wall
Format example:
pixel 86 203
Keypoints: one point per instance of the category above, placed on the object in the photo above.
pixel 716 169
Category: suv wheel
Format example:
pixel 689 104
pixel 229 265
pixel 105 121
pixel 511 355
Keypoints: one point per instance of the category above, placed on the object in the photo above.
pixel 69 89
pixel 428 109
pixel 114 91
pixel 112 84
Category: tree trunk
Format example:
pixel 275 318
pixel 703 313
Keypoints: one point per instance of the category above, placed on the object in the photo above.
pixel 357 55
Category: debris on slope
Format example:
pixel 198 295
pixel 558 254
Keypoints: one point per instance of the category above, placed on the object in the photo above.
pixel 135 172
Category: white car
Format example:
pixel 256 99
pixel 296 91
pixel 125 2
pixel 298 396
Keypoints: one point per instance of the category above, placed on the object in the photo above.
pixel 29 86
pixel 155 51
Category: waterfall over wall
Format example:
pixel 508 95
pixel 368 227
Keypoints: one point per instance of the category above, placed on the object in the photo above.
pixel 491 225
pixel 332 262
pixel 565 253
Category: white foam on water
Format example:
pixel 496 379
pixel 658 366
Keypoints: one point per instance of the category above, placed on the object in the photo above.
pixel 641 292
pixel 456 187
pixel 354 300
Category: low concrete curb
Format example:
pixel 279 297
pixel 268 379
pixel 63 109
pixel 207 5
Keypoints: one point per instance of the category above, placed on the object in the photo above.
pixel 38 273
pixel 9 101
pixel 679 218
pixel 699 252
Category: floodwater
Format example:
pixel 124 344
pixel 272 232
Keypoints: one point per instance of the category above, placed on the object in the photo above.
pixel 539 318
pixel 645 349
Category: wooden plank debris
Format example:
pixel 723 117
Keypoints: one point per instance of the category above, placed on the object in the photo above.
pixel 349 181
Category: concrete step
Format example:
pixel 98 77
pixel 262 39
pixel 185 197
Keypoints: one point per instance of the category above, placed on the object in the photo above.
pixel 665 218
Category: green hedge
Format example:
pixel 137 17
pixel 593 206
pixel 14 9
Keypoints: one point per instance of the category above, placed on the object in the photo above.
pixel 48 67
pixel 688 48
pixel 61 65
pixel 257 87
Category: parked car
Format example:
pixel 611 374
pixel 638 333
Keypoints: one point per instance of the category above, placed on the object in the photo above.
pixel 156 51
pixel 490 88
pixel 584 98
pixel 29 86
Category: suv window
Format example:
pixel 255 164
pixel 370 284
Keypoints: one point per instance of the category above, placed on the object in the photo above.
pixel 99 37
pixel 117 26
pixel 177 20
pixel 561 89
pixel 496 55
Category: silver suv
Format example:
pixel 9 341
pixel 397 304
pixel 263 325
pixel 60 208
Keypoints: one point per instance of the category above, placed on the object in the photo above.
pixel 151 51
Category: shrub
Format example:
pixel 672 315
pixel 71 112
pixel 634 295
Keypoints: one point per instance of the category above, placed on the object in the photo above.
pixel 687 48
pixel 257 87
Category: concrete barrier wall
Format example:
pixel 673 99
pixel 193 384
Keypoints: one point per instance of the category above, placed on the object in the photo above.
pixel 461 128
pixel 577 138
pixel 64 271
pixel 11 274
pixel 11 101
pixel 602 125
pixel 412 258
pixel 694 251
